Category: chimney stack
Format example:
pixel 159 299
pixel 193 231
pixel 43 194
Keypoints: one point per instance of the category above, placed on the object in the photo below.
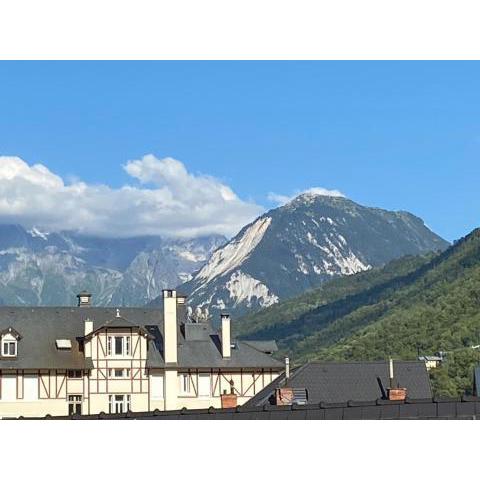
pixel 226 337
pixel 84 299
pixel 287 369
pixel 284 396
pixel 170 326
pixel 88 328
pixel 229 400
pixel 390 369
pixel 395 392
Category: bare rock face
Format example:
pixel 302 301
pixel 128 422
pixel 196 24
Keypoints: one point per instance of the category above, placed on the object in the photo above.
pixel 41 268
pixel 298 246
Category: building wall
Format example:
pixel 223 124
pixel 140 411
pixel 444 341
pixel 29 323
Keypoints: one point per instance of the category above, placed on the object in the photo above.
pixel 53 387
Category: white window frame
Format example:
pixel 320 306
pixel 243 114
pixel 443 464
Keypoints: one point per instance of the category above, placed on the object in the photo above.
pixel 119 403
pixel 8 342
pixel 185 383
pixel 112 373
pixel 75 400
pixel 112 346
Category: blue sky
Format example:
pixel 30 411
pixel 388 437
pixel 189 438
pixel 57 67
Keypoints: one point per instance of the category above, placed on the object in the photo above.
pixel 397 135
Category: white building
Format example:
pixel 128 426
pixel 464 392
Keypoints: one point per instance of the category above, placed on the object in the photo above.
pixel 84 359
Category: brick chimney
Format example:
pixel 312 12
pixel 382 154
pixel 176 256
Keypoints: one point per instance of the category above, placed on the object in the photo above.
pixel 170 326
pixel 395 392
pixel 229 400
pixel 226 336
pixel 84 299
pixel 284 396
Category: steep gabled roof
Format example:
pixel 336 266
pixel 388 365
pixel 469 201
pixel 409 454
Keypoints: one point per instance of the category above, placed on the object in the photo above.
pixel 119 322
pixel 333 382
pixel 42 326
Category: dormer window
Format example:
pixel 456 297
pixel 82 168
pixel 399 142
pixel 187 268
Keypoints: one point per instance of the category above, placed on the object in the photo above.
pixel 9 348
pixel 84 299
pixel 10 339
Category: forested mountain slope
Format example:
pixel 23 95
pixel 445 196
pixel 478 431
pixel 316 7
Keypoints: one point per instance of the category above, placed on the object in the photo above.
pixel 433 306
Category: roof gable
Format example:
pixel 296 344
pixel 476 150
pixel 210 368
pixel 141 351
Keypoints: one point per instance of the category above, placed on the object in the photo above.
pixel 11 331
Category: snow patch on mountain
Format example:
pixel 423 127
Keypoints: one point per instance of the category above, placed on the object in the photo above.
pixel 243 288
pixel 191 256
pixel 235 252
pixel 302 266
pixel 35 232
pixel 349 263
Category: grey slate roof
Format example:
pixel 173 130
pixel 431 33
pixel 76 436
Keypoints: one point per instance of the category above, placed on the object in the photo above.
pixel 39 327
pixel 266 346
pixel 333 382
pixel 203 350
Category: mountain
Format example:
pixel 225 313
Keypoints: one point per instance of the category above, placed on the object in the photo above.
pixel 41 268
pixel 413 305
pixel 310 240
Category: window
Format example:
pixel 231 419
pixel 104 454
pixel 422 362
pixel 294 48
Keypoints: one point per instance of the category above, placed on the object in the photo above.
pixel 74 404
pixel 74 373
pixel 184 383
pixel 9 348
pixel 119 403
pixel 119 345
pixel 119 372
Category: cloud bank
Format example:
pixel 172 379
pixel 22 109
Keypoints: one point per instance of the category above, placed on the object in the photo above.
pixel 280 199
pixel 165 199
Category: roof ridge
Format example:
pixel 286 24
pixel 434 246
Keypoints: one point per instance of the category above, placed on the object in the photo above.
pixel 358 362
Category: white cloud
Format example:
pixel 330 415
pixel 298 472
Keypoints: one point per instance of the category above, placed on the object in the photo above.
pixel 280 199
pixel 166 199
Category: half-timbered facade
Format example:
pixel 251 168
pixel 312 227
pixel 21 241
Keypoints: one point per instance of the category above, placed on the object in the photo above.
pixel 86 360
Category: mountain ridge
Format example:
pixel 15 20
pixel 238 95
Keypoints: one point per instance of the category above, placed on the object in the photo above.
pixel 300 245
pixel 50 268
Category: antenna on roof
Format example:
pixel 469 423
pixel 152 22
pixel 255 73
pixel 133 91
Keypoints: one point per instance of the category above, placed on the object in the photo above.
pixel 118 312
